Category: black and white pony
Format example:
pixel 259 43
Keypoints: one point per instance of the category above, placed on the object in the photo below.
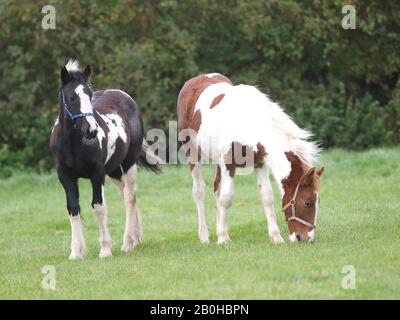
pixel 98 134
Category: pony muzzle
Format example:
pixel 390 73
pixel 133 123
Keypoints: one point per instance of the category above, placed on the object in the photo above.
pixel 306 237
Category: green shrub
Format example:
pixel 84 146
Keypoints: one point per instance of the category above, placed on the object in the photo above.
pixel 341 84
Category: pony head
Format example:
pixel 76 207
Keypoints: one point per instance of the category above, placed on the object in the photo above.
pixel 75 97
pixel 301 200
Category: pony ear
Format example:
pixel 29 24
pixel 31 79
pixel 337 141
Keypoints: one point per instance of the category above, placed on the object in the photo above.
pixel 308 178
pixel 86 73
pixel 65 78
pixel 320 171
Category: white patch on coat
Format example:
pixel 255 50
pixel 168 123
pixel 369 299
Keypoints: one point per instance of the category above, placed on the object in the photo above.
pixel 100 136
pixel 116 128
pixel 210 75
pixel 86 107
pixel 72 65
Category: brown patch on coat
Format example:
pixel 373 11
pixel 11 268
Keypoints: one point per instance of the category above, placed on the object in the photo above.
pixel 259 156
pixel 188 96
pixel 217 100
pixel 246 155
pixel 217 178
pixel 193 161
pixel 231 169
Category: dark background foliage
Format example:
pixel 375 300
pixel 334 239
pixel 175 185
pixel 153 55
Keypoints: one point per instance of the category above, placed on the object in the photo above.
pixel 342 84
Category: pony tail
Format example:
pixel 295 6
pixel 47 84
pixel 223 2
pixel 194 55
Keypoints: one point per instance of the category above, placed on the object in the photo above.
pixel 148 159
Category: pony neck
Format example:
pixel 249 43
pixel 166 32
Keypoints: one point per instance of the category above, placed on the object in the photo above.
pixel 285 164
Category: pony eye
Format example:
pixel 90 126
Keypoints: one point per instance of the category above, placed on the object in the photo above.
pixel 308 204
pixel 72 98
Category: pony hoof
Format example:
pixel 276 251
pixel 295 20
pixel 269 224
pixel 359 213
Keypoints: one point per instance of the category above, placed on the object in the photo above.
pixel 204 238
pixel 77 253
pixel 129 246
pixel 224 240
pixel 105 253
pixel 277 239
pixel 204 241
pixel 75 256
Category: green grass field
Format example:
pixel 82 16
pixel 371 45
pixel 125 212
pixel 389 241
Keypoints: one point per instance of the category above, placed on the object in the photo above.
pixel 358 225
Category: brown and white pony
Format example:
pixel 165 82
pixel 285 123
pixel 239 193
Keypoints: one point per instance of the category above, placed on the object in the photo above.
pixel 239 126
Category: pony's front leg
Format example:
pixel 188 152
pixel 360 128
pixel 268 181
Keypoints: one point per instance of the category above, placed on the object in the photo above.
pixel 224 196
pixel 267 197
pixel 198 192
pixel 70 185
pixel 100 208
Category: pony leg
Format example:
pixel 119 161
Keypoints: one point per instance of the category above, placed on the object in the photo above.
pixel 198 192
pixel 100 208
pixel 70 186
pixel 267 197
pixel 217 181
pixel 224 200
pixel 133 227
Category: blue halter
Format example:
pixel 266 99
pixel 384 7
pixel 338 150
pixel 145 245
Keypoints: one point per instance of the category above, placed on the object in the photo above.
pixel 69 113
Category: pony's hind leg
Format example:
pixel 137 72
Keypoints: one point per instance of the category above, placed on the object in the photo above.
pixel 133 230
pixel 267 197
pixel 100 208
pixel 224 196
pixel 198 192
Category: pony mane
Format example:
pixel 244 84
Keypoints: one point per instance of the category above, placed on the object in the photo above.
pixel 73 65
pixel 74 70
pixel 297 137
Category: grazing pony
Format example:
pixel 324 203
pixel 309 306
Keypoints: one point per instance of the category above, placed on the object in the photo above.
pixel 97 134
pixel 239 126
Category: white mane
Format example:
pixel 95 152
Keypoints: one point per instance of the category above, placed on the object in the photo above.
pixel 72 65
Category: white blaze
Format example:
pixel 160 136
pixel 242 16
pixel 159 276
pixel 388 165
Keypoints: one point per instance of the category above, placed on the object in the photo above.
pixel 86 106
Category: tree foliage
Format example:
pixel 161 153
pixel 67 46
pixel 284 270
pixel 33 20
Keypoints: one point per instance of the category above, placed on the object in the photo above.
pixel 342 84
